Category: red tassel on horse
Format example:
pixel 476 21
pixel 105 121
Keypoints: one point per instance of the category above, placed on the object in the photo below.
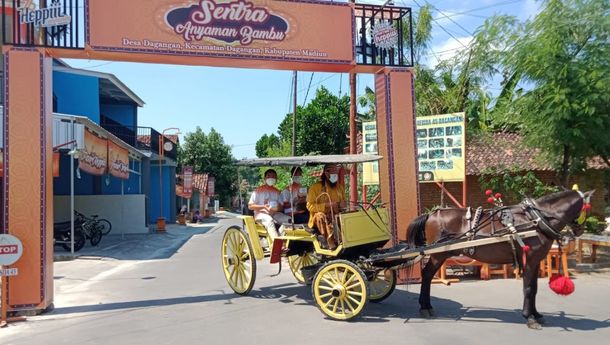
pixel 561 284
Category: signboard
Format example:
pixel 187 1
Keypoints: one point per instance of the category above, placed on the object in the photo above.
pixel 94 157
pixel 9 272
pixel 10 249
pixel 306 31
pixel 441 147
pixel 118 159
pixel 52 15
pixel 187 181
pixel 385 36
pixel 211 183
pixel 370 170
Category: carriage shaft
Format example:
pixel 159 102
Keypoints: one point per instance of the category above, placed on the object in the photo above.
pixel 447 247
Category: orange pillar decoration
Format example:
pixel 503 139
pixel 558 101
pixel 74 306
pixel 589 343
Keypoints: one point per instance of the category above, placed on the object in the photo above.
pixel 396 140
pixel 28 175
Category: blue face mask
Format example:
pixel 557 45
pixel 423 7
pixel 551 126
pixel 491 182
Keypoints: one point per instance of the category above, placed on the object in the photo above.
pixel 333 178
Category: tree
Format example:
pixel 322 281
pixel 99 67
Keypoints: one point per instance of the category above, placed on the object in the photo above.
pixel 565 56
pixel 265 143
pixel 322 125
pixel 209 154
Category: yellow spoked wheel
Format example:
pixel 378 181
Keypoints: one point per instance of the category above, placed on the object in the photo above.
pixel 382 285
pixel 297 262
pixel 340 290
pixel 238 261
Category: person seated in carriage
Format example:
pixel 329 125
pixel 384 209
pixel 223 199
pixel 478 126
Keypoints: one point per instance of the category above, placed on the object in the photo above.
pixel 325 199
pixel 293 198
pixel 265 202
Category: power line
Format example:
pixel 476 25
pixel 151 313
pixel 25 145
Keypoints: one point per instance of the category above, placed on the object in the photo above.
pixel 453 21
pixel 443 28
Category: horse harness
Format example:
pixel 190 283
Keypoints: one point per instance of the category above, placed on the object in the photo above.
pixel 537 218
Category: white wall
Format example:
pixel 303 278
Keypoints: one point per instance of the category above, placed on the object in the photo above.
pixel 125 212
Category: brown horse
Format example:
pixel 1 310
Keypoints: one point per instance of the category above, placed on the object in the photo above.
pixel 548 215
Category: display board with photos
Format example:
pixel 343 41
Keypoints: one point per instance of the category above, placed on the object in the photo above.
pixel 440 147
pixel 370 171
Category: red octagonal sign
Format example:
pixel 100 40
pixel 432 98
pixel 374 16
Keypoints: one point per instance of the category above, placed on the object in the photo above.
pixel 10 249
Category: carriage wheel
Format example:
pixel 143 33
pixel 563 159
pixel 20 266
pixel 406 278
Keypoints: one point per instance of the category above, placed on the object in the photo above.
pixel 340 290
pixel 382 286
pixel 238 262
pixel 299 261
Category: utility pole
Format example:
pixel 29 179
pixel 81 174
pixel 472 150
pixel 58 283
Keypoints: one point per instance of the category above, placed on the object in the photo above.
pixel 294 115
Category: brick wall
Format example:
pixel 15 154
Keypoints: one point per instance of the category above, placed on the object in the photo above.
pixel 430 193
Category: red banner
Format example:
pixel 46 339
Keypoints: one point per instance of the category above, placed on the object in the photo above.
pixel 56 164
pixel 187 181
pixel 94 157
pixel 118 159
pixel 211 184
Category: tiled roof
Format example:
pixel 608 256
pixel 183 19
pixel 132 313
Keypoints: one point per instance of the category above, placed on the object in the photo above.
pixel 507 150
pixel 200 182
pixel 502 151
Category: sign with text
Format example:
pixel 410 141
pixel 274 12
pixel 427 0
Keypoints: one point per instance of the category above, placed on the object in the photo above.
pixel 187 181
pixel 211 186
pixel 118 159
pixel 52 15
pixel 94 157
pixel 9 272
pixel 306 31
pixel 370 170
pixel 11 249
pixel 441 147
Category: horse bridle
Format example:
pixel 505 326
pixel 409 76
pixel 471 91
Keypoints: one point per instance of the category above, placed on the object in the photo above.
pixel 531 207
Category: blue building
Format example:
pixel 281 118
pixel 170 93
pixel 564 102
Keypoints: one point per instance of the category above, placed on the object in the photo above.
pixel 101 104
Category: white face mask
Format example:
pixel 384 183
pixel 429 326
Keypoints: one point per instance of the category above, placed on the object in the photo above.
pixel 297 179
pixel 270 181
pixel 333 178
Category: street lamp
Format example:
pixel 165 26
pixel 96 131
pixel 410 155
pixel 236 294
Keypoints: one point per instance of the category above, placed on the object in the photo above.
pixel 163 146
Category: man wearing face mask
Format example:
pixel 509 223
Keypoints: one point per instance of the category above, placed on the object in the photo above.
pixel 293 198
pixel 264 201
pixel 324 200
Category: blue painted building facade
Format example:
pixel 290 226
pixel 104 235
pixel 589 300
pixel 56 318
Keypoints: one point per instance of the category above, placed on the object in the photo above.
pixel 107 102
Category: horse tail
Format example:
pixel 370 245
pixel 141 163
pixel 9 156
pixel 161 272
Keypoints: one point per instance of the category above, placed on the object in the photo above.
pixel 416 232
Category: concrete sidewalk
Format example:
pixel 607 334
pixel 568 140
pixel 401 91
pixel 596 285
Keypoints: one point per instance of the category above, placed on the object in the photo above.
pixel 149 246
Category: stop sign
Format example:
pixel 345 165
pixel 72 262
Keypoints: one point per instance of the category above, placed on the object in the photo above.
pixel 10 249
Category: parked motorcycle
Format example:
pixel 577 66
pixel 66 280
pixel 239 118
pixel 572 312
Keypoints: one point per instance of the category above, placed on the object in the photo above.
pixel 62 235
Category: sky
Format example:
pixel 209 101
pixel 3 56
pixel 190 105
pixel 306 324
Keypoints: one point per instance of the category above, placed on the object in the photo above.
pixel 244 104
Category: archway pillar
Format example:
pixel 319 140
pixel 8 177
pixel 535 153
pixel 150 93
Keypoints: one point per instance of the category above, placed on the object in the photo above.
pixel 28 174
pixel 396 141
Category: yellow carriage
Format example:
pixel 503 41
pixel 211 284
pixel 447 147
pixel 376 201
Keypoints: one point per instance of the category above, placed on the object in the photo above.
pixel 341 282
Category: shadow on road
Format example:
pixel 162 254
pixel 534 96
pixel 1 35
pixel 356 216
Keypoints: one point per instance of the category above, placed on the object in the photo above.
pixel 401 305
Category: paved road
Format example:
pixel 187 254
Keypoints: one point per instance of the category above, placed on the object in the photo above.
pixel 183 299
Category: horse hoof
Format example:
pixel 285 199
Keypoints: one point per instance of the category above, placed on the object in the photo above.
pixel 533 324
pixel 541 320
pixel 427 313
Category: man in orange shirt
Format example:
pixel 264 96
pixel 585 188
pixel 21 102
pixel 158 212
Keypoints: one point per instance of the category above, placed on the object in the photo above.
pixel 324 200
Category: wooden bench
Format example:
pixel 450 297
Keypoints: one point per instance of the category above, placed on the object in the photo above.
pixel 594 241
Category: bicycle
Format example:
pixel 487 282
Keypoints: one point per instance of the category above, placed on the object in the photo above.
pixel 94 228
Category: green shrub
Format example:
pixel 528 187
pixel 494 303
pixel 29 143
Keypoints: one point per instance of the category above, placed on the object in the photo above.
pixel 594 225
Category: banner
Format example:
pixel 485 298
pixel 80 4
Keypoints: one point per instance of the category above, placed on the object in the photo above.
pixel 118 159
pixel 441 147
pixel 56 159
pixel 211 185
pixel 187 181
pixel 370 170
pixel 305 31
pixel 94 157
